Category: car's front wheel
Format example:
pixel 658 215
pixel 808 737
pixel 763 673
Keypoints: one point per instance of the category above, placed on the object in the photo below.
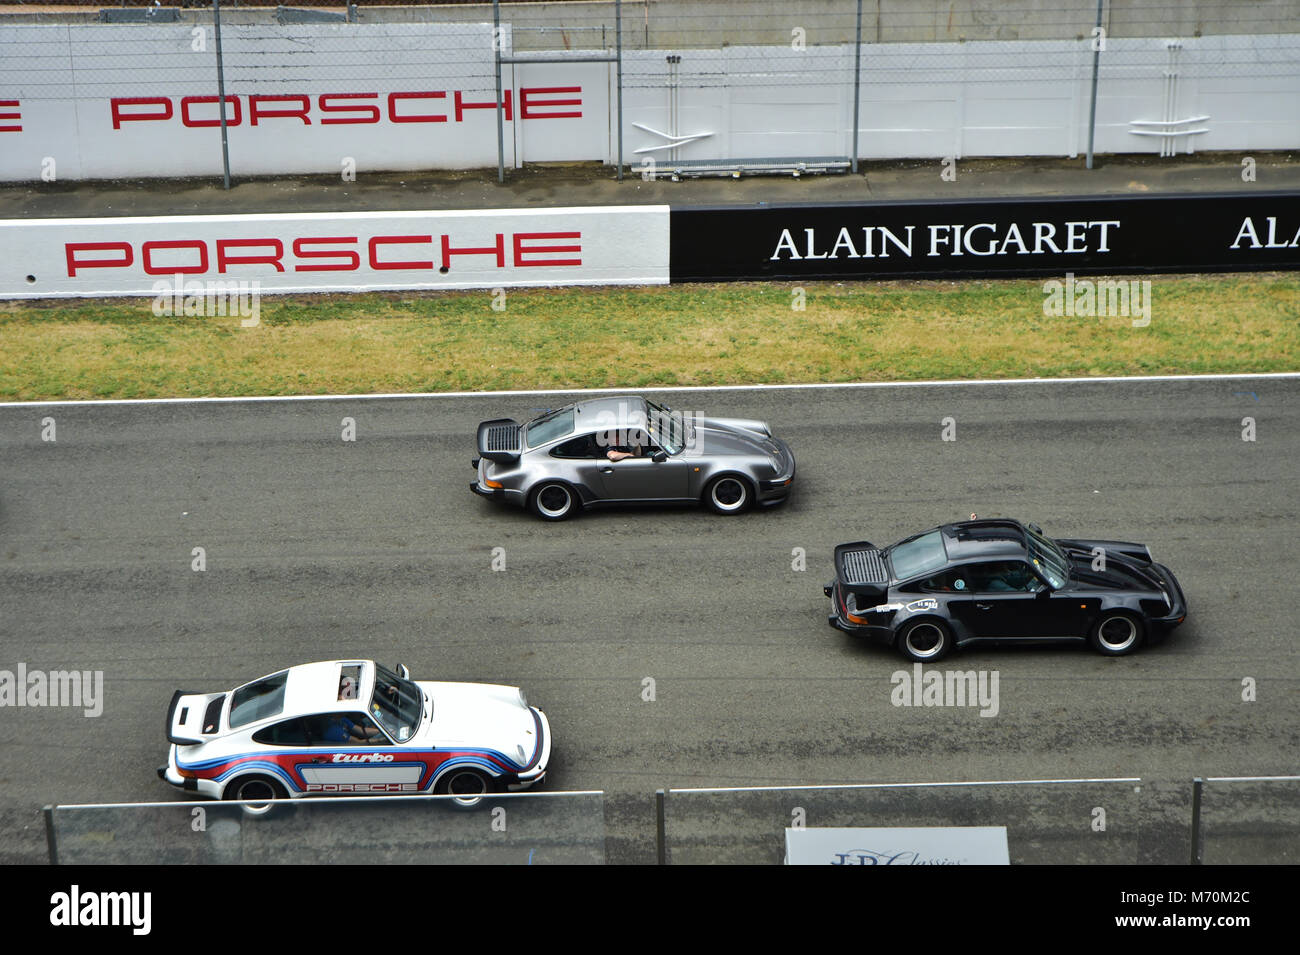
pixel 258 794
pixel 925 640
pixel 1118 633
pixel 554 501
pixel 469 787
pixel 728 494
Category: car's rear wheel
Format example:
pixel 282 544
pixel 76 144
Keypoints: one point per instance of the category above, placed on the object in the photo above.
pixel 469 787
pixel 1115 634
pixel 554 501
pixel 925 640
pixel 257 792
pixel 728 494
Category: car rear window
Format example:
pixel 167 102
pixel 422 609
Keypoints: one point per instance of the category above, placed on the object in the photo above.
pixel 258 701
pixel 921 555
pixel 549 427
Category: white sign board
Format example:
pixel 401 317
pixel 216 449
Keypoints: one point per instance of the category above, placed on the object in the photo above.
pixel 336 252
pixel 950 845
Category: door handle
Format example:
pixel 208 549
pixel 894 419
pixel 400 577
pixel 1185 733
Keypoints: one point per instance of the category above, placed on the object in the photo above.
pixel 606 470
pixel 319 759
pixel 983 606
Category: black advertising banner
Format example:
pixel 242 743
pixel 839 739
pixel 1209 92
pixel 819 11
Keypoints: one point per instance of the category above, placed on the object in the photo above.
pixel 987 237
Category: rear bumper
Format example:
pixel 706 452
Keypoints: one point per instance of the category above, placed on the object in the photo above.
pixel 838 619
pixel 480 487
pixel 172 774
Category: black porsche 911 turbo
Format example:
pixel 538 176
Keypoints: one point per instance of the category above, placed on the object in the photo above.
pixel 1001 581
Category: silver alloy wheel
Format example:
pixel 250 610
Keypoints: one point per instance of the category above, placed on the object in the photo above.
pixel 1117 634
pixel 257 795
pixel 468 786
pixel 925 641
pixel 554 501
pixel 728 495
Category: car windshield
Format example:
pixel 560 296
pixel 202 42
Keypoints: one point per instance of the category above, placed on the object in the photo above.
pixel 259 700
pixel 667 427
pixel 555 424
pixel 920 555
pixel 395 704
pixel 1048 559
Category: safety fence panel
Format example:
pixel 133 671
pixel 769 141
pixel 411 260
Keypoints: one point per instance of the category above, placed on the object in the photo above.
pixel 541 828
pixel 1072 821
pixel 1250 820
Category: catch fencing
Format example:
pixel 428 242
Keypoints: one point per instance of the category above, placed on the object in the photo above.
pixel 673 87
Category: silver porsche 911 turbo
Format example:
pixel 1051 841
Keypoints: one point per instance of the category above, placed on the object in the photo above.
pixel 630 450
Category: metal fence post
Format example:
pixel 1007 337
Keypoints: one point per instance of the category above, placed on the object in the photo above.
pixel 50 842
pixel 661 841
pixel 618 31
pixel 1198 844
pixel 1096 62
pixel 221 92
pixel 496 56
pixel 857 84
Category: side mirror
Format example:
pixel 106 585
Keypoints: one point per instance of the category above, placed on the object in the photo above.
pixel 403 672
pixel 659 457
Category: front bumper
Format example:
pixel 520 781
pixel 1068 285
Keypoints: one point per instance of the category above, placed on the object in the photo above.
pixel 778 489
pixel 531 777
pixel 1178 611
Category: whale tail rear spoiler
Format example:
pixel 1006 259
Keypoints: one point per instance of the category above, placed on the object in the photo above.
pixel 860 569
pixel 498 440
pixel 192 716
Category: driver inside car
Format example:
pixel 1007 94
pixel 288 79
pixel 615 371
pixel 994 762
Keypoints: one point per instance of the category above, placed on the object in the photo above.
pixel 635 447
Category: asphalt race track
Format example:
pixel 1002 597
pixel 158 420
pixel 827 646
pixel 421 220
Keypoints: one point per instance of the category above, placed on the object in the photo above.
pixel 318 548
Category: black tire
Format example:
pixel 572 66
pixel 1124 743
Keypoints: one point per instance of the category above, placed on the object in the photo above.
pixel 255 788
pixel 469 786
pixel 729 494
pixel 1117 633
pixel 554 501
pixel 925 640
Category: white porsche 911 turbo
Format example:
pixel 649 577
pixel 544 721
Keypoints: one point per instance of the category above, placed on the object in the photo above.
pixel 354 727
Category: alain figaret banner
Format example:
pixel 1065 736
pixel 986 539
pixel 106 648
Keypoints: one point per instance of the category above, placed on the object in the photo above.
pixel 1001 237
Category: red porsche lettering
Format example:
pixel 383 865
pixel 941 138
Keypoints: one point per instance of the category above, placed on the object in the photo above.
pixel 327 253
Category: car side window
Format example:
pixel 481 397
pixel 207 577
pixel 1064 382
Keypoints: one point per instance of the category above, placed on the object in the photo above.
pixel 1007 576
pixel 346 729
pixel 296 732
pixel 580 447
pixel 956 580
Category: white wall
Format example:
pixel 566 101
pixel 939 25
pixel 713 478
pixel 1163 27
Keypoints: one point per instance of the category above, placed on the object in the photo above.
pixel 608 245
pixel 924 100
